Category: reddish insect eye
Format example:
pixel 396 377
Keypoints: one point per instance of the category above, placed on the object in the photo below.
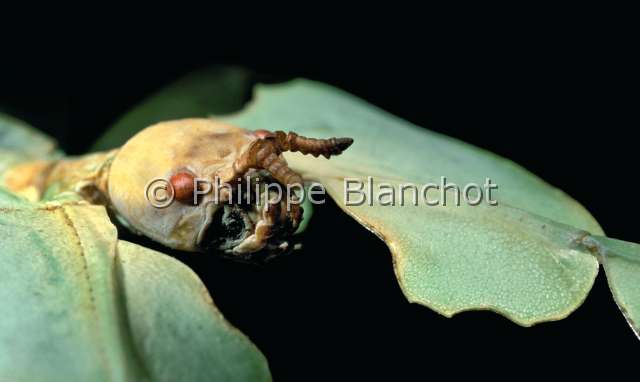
pixel 182 184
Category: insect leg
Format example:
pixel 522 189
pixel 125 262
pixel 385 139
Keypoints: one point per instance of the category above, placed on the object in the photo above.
pixel 264 154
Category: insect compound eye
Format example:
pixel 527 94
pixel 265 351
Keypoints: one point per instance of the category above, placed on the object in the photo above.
pixel 183 186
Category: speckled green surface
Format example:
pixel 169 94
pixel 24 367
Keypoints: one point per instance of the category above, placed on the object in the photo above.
pixel 451 259
pixel 79 305
pixel 621 261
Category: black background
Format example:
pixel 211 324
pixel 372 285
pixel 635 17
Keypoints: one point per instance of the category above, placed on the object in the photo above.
pixel 334 311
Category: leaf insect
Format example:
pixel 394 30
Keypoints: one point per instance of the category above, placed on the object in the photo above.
pixel 532 257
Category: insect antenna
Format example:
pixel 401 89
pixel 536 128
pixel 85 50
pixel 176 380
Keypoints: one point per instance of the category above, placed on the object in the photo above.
pixel 265 153
pixel 297 143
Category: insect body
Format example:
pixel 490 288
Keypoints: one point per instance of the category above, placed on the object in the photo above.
pixel 182 152
pixel 71 282
pixel 532 257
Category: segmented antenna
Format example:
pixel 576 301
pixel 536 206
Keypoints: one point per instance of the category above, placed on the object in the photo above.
pixel 325 147
pixel 265 153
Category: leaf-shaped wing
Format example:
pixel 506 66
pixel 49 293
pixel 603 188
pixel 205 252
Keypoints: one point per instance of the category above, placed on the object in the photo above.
pixel 16 135
pixel 621 261
pixel 19 141
pixel 522 259
pixel 77 305
pixel 450 258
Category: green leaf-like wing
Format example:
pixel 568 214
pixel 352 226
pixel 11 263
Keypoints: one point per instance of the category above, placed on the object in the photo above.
pixel 523 258
pixel 177 331
pixel 19 142
pixel 621 261
pixel 16 135
pixel 512 258
pixel 79 305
